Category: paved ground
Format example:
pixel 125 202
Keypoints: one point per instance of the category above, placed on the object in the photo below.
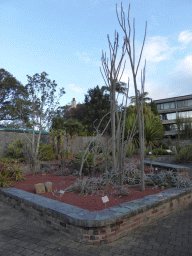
pixel 21 235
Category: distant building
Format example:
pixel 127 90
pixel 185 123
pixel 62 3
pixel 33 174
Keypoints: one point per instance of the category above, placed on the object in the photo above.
pixel 73 105
pixel 170 108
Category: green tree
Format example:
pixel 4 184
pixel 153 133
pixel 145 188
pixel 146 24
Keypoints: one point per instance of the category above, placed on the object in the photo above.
pixel 41 93
pixel 153 128
pixel 153 106
pixel 73 127
pixel 58 123
pixel 95 107
pixel 184 128
pixel 145 98
pixel 63 111
pixel 13 99
pixel 120 88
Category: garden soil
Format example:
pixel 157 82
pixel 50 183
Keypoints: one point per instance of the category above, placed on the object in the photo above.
pixel 87 202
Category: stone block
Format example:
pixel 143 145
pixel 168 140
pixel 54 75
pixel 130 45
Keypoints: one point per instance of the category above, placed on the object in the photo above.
pixel 48 186
pixel 39 188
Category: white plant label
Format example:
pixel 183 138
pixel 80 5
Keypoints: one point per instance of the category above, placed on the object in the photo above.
pixel 62 192
pixel 105 199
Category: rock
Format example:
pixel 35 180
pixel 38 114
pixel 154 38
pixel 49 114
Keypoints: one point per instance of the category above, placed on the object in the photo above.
pixel 39 188
pixel 48 186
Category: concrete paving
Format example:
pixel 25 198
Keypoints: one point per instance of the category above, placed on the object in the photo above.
pixel 21 235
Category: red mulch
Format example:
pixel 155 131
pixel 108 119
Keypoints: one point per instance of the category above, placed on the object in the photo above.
pixel 91 203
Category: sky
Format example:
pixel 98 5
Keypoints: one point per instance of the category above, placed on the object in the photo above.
pixel 65 38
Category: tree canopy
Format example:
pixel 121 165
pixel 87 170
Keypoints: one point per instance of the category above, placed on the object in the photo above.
pixel 120 87
pixel 13 98
pixel 41 92
pixel 145 98
pixel 153 128
pixel 95 107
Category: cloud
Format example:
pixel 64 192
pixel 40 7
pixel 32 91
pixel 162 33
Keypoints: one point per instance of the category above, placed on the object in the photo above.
pixel 178 82
pixel 76 88
pixel 185 37
pixel 83 56
pixel 157 49
pixel 184 66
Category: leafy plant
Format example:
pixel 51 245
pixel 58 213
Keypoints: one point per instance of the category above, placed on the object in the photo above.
pixel 9 175
pixel 88 162
pixel 163 145
pixel 46 152
pixel 8 160
pixel 15 149
pixel 159 151
pixel 169 142
pixel 67 154
pixel 169 179
pixel 121 190
pixel 16 174
pixel 5 179
pixel 178 147
pixel 184 155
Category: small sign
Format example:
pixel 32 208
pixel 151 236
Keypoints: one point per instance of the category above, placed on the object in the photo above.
pixel 62 192
pixel 105 199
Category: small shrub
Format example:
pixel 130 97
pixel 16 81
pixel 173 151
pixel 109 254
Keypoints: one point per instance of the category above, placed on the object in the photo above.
pixel 163 145
pixel 184 155
pixel 168 179
pixel 159 151
pixel 88 162
pixel 46 152
pixel 129 153
pixel 66 154
pixel 15 150
pixel 5 180
pixel 178 147
pixel 8 160
pixel 16 174
pixel 82 133
pixel 169 142
pixel 8 175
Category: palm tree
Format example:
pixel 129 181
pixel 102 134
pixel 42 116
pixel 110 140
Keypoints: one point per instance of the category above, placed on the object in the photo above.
pixel 133 98
pixel 120 88
pixel 153 128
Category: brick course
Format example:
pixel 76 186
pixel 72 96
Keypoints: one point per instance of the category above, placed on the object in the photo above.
pixel 103 234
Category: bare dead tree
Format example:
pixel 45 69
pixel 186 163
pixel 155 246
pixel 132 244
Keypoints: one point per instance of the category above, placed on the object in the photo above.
pixel 122 143
pixel 134 68
pixel 110 76
pixel 95 139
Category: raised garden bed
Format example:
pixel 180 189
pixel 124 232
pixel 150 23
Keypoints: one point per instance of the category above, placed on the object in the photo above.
pixel 99 225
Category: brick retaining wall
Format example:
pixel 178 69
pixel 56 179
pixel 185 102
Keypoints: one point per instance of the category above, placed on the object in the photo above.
pixel 112 224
